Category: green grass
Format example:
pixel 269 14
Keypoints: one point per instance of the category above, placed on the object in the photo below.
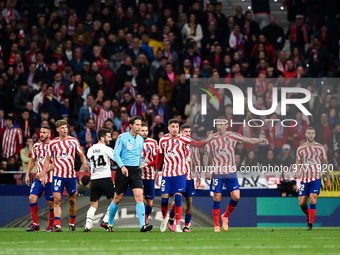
pixel 201 241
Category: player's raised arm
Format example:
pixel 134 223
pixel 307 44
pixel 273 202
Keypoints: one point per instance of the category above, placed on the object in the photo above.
pixel 194 143
pixel 31 164
pixel 255 140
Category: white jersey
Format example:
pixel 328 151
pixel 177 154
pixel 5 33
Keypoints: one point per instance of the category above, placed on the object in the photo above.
pixel 99 156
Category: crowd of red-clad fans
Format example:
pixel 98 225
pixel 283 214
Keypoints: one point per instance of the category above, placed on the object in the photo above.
pixel 97 63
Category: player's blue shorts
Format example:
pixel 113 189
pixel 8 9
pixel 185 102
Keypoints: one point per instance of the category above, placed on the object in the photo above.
pixel 37 189
pixel 172 185
pixel 59 183
pixel 190 190
pixel 149 189
pixel 230 181
pixel 310 187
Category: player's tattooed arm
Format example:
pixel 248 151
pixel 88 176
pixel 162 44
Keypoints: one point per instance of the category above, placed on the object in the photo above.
pixel 328 176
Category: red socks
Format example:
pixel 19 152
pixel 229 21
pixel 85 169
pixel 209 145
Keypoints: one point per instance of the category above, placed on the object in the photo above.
pixel 216 215
pixel 178 214
pixel 311 215
pixel 228 211
pixel 51 218
pixel 72 219
pixel 164 211
pixel 34 213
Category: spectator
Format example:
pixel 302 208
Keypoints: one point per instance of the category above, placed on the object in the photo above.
pixel 135 51
pixel 10 15
pixel 297 58
pixel 317 58
pixel 323 130
pixel 25 156
pixel 51 104
pixel 38 99
pixel 239 18
pixel 21 98
pixel 87 137
pixel 150 45
pixel 268 48
pixel 81 31
pixel 138 107
pixel 155 65
pixel 286 158
pixel 180 95
pixel 193 30
pixel 26 125
pixel 117 59
pixel 167 81
pixel 275 35
pixel 171 55
pixel 206 69
pixel 297 133
pixel 6 178
pixel 12 140
pixel 128 100
pixel 102 113
pixel 291 71
pixel 251 163
pixel 157 109
pixel 270 160
pixel 261 11
pixel 298 35
pixel 280 64
pixel 124 122
pixel 77 62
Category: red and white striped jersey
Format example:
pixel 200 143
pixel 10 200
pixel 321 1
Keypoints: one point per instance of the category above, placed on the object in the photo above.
pixel 11 140
pixel 311 157
pixel 64 152
pixel 192 156
pixel 102 116
pixel 39 152
pixel 173 150
pixel 150 152
pixel 223 149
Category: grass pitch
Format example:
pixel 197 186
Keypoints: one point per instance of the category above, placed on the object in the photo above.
pixel 200 241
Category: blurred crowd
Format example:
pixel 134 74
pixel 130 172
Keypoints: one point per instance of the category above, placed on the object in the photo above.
pixel 96 63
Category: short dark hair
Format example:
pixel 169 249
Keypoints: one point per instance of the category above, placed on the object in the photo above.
pixel 310 128
pixel 133 119
pixel 144 124
pixel 25 110
pixel 184 126
pixel 46 127
pixel 85 180
pixel 173 121
pixel 102 133
pixel 87 120
pixel 10 118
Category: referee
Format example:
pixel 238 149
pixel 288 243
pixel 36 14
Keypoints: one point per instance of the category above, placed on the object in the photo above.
pixel 128 155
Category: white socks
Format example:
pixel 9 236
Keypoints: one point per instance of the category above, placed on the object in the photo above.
pixel 89 217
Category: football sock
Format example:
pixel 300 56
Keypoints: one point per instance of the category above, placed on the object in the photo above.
pixel 164 206
pixel 148 211
pixel 106 217
pixel 171 214
pixel 187 218
pixel 231 206
pixel 89 217
pixel 178 209
pixel 57 222
pixel 72 219
pixel 140 209
pixel 112 212
pixel 305 209
pixel 312 212
pixel 51 218
pixel 216 212
pixel 34 213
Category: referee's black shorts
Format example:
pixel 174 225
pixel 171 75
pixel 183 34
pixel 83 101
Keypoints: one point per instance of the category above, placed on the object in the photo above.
pixel 100 186
pixel 134 179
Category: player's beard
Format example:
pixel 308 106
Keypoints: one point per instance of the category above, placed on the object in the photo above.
pixel 106 142
pixel 311 140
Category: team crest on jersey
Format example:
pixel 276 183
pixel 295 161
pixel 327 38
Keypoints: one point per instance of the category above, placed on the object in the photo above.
pixel 70 146
pixel 315 152
pixel 176 143
pixel 148 149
